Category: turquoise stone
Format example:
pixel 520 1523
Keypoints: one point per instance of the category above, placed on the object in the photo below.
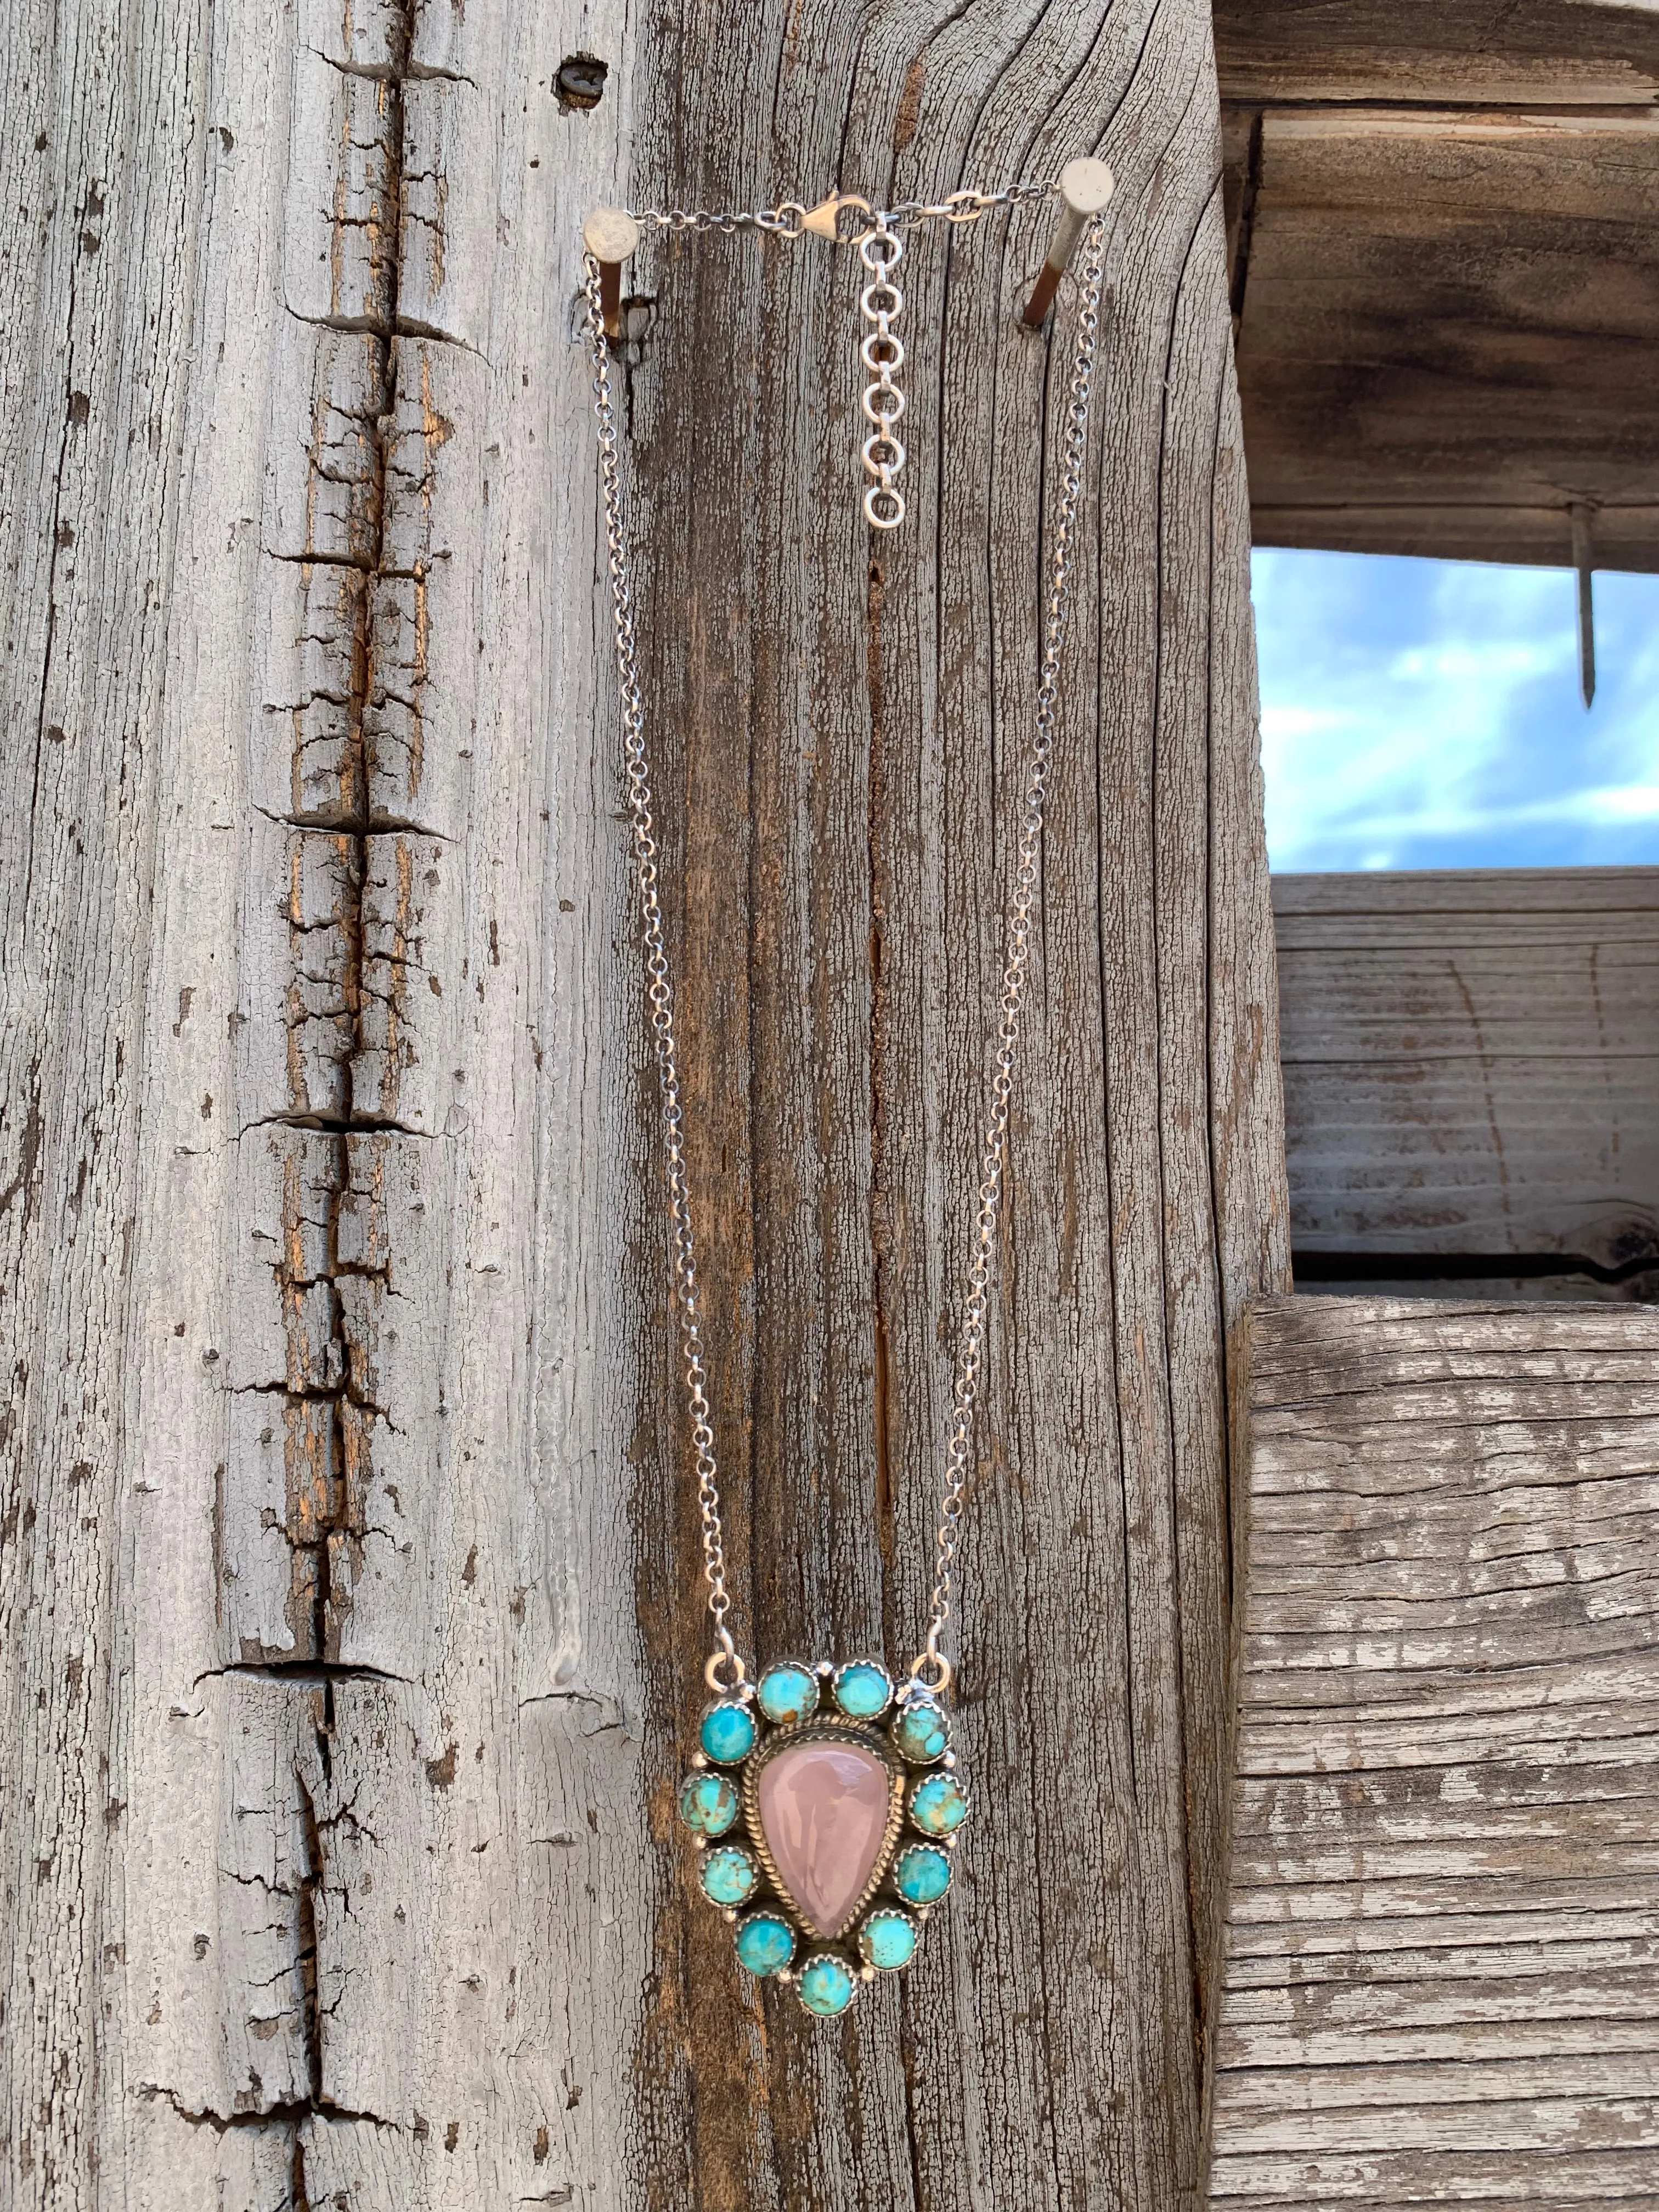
pixel 921 1874
pixel 827 1983
pixel 729 1875
pixel 920 1732
pixel 863 1690
pixel 888 1939
pixel 765 1944
pixel 708 1803
pixel 727 1733
pixel 787 1693
pixel 939 1804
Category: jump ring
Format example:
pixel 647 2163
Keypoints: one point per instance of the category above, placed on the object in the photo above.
pixel 726 1656
pixel 888 414
pixel 934 1657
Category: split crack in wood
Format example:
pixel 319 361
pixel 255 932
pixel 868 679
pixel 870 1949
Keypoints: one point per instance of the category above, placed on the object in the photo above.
pixel 354 857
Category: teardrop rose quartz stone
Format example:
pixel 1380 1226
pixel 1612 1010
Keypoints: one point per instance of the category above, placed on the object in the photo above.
pixel 825 1808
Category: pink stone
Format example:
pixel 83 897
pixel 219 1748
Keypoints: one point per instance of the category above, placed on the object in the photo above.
pixel 824 1810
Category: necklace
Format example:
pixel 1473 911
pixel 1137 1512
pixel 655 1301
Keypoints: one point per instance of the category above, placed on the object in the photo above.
pixel 824 1799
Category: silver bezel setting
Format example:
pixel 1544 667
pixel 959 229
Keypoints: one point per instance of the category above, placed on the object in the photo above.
pixel 823 1729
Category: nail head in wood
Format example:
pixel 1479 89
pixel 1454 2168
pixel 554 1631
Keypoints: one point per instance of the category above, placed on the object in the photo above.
pixel 612 236
pixel 1086 187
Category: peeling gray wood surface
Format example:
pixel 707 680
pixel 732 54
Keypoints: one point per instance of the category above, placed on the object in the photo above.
pixel 1441 1982
pixel 1471 1063
pixel 305 859
pixel 347 1589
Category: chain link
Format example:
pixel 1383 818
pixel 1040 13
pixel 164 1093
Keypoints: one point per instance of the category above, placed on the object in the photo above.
pixel 788 218
pixel 784 221
pixel 881 302
pixel 1018 942
pixel 883 355
pixel 660 990
pixel 966 206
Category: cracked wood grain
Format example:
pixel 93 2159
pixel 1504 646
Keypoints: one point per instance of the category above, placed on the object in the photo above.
pixel 344 1875
pixel 274 1701
pixel 838 724
pixel 1443 1952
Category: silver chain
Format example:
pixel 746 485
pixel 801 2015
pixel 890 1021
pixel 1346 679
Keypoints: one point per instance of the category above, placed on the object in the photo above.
pixel 1017 955
pixel 881 302
pixel 786 220
pixel 660 989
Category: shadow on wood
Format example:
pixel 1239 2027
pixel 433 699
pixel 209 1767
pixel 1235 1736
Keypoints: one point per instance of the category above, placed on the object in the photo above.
pixel 1443 271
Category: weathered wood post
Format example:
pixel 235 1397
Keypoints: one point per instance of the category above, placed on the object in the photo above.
pixel 347 1567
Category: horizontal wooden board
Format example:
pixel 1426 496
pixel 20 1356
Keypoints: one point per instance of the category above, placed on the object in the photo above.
pixel 1624 535
pixel 1471 50
pixel 1471 1063
pixel 1446 310
pixel 1445 324
pixel 1442 1977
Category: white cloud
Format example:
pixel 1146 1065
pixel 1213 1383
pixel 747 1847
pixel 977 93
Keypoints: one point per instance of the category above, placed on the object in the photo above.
pixel 1464 662
pixel 1637 802
pixel 1425 713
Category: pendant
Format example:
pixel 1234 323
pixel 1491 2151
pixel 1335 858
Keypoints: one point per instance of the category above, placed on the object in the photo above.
pixel 825 1806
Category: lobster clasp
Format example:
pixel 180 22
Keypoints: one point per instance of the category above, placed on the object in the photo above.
pixel 824 220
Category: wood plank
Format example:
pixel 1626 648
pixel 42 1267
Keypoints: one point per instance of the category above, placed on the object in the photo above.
pixel 1562 52
pixel 1409 311
pixel 1452 311
pixel 1625 534
pixel 1597 2180
pixel 843 865
pixel 1442 1975
pixel 1471 1063
pixel 252 1838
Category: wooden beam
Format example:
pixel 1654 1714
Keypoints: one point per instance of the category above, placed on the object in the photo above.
pixel 1442 1953
pixel 351 1639
pixel 848 738
pixel 1556 52
pixel 1626 536
pixel 1471 1065
pixel 1446 326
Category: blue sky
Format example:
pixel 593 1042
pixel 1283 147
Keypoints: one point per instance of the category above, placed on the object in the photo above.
pixel 1426 715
